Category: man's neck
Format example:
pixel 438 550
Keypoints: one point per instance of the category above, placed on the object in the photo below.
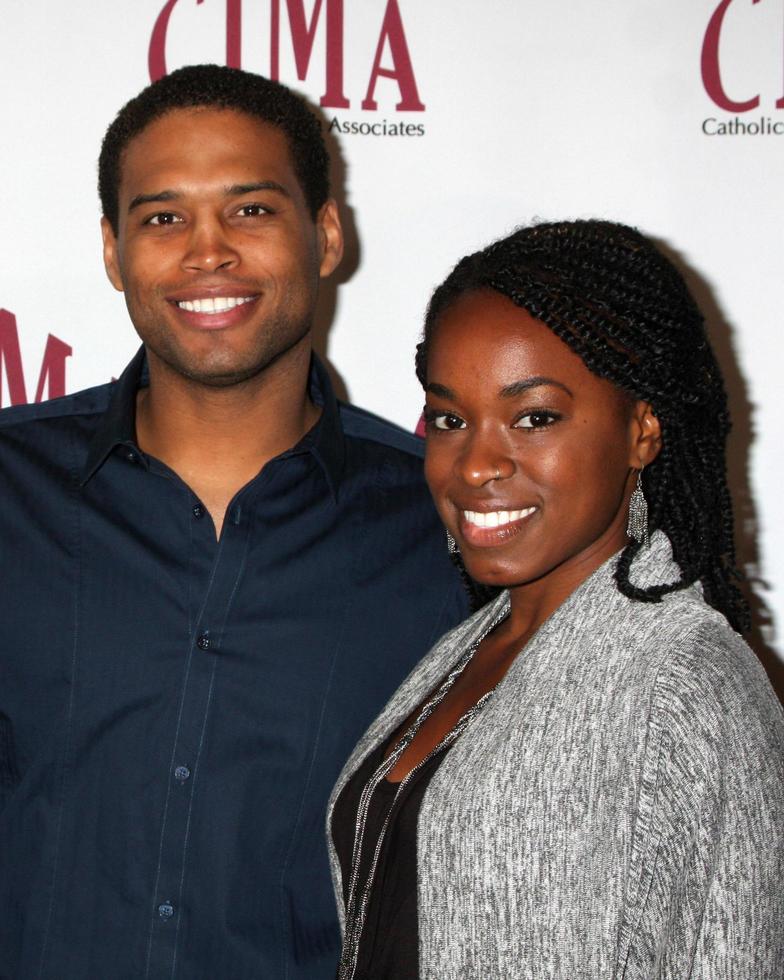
pixel 218 439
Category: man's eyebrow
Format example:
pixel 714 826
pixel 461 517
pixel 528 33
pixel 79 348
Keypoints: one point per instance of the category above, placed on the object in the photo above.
pixel 518 387
pixel 235 190
pixel 161 197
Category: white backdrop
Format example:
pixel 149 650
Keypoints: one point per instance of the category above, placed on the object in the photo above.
pixel 532 110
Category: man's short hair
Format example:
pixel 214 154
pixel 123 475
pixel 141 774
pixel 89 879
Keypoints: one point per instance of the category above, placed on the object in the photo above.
pixel 218 87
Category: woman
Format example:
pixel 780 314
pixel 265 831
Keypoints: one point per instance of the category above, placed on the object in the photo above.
pixel 585 779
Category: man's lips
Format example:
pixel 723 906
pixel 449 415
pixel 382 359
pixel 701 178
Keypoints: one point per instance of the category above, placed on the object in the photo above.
pixel 493 527
pixel 213 304
pixel 211 310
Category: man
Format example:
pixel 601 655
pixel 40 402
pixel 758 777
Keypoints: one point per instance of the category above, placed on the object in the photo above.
pixel 214 575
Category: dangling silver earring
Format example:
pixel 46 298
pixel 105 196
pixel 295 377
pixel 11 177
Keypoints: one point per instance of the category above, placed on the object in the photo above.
pixel 637 525
pixel 451 544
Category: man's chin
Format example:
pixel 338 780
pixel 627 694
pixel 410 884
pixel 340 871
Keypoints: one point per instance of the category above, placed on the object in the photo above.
pixel 228 376
pixel 226 367
pixel 217 369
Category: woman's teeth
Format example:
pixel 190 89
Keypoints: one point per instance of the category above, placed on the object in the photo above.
pixel 496 518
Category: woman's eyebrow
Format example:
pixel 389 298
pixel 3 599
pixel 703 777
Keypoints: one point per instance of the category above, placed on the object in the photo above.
pixel 440 390
pixel 518 387
pixel 508 391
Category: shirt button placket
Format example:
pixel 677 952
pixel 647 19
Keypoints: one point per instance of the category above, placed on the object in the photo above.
pixel 173 903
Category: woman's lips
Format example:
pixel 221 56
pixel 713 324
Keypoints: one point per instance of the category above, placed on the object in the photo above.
pixel 493 527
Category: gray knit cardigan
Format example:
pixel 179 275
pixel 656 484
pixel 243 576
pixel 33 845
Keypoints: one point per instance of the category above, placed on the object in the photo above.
pixel 616 810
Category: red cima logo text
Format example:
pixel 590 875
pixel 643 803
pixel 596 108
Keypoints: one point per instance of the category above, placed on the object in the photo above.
pixel 51 378
pixel 711 64
pixel 303 32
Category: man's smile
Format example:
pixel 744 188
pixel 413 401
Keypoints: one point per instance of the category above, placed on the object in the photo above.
pixel 213 304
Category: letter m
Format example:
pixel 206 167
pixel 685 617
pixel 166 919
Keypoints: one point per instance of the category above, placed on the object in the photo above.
pixel 303 35
pixel 52 374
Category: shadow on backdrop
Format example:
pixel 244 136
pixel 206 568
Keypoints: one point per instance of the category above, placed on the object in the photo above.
pixel 328 290
pixel 719 330
pixel 739 446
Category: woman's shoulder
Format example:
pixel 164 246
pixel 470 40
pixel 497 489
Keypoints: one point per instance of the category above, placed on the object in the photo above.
pixel 679 655
pixel 708 675
pixel 705 689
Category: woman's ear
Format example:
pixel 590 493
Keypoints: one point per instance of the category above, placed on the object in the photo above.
pixel 646 436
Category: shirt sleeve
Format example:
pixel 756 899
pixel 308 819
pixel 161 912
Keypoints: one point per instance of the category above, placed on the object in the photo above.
pixel 706 885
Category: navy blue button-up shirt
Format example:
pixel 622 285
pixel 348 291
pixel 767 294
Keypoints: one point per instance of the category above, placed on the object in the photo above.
pixel 174 709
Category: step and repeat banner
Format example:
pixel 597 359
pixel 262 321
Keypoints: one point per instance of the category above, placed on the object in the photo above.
pixel 450 122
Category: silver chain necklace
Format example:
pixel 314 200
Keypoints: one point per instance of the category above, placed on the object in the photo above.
pixel 357 903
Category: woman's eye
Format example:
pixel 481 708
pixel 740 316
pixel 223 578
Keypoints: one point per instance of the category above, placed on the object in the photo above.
pixel 536 420
pixel 444 420
pixel 163 218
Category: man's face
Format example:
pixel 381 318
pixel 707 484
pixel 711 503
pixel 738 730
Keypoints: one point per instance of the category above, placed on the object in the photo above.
pixel 216 251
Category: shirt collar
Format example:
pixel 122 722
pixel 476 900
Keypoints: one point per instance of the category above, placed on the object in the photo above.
pixel 118 426
pixel 326 439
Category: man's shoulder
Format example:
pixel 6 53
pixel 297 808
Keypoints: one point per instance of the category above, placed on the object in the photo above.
pixel 360 424
pixel 88 401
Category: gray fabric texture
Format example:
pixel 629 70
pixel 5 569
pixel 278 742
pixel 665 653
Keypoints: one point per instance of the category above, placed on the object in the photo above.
pixel 617 809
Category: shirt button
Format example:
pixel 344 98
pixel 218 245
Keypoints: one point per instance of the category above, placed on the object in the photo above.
pixel 198 511
pixel 181 773
pixel 131 456
pixel 166 910
pixel 203 642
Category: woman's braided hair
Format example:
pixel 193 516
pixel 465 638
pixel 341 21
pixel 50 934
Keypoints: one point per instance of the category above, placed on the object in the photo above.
pixel 624 309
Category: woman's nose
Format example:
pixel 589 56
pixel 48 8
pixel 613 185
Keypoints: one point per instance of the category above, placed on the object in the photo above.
pixel 483 462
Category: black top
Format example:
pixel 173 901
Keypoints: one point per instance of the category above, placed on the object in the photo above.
pixel 174 710
pixel 389 944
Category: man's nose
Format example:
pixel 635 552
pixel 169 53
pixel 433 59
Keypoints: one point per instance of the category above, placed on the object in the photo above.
pixel 210 247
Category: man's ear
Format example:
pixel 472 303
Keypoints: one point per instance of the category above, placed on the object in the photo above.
pixel 330 236
pixel 110 259
pixel 646 439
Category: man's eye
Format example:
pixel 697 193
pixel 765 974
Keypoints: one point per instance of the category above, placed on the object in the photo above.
pixel 253 210
pixel 163 218
pixel 445 420
pixel 536 420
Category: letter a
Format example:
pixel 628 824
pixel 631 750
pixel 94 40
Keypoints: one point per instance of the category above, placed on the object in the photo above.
pixel 403 71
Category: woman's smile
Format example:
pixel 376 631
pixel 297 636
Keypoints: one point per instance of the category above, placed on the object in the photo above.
pixel 490 528
pixel 530 456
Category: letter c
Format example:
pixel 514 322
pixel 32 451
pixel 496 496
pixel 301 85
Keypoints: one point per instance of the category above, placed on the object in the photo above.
pixel 709 64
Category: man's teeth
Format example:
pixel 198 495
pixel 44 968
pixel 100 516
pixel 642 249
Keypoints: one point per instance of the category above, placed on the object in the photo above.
pixel 496 518
pixel 213 304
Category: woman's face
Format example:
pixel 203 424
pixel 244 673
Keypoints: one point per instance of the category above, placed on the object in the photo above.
pixel 530 457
